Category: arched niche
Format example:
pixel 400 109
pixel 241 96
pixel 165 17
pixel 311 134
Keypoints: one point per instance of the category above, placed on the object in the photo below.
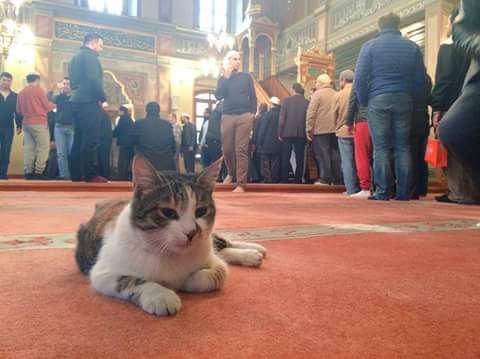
pixel 245 54
pixel 263 57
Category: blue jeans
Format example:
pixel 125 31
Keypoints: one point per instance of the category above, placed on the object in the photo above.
pixel 389 121
pixel 6 139
pixel 64 142
pixel 347 154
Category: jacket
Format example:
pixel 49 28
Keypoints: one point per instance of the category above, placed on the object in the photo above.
pixel 153 138
pixel 189 137
pixel 86 77
pixel 356 112
pixel 214 132
pixel 8 111
pixel 123 131
pixel 64 114
pixel 319 114
pixel 387 64
pixel 452 67
pixel 466 30
pixel 267 139
pixel 33 105
pixel 238 94
pixel 340 111
pixel 293 117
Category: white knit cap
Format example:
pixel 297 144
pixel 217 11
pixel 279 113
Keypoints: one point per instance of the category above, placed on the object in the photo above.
pixel 275 100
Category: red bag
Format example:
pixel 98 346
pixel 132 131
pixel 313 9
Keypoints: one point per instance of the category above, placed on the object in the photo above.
pixel 436 154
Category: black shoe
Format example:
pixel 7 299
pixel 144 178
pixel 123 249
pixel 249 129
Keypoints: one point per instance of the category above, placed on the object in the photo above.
pixel 40 177
pixel 29 176
pixel 373 198
pixel 444 199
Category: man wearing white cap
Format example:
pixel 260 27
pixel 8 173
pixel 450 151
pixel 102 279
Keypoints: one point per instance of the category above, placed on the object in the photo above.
pixel 320 128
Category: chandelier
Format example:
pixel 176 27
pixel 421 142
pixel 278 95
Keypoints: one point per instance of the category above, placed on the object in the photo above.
pixel 221 41
pixel 10 23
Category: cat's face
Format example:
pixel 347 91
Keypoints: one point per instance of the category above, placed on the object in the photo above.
pixel 176 213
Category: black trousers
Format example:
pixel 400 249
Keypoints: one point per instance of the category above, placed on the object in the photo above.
pixel 270 167
pixel 104 152
pixel 459 130
pixel 189 161
pixel 86 141
pixel 125 156
pixel 327 156
pixel 298 145
pixel 419 180
pixel 6 139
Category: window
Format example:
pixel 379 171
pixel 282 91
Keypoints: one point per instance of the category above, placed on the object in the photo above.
pixel 212 15
pixel 114 7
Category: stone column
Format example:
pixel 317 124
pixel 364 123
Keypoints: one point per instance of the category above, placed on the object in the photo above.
pixel 273 70
pixel 436 22
pixel 251 59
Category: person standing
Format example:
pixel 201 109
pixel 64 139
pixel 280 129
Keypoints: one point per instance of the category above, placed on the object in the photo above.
pixel 459 130
pixel 105 148
pixel 344 134
pixel 291 132
pixel 213 138
pixel 123 134
pixel 63 129
pixel 8 115
pixel 452 67
pixel 86 75
pixel 33 105
pixel 177 134
pixel 153 138
pixel 239 107
pixel 189 144
pixel 389 74
pixel 204 154
pixel 320 130
pixel 269 144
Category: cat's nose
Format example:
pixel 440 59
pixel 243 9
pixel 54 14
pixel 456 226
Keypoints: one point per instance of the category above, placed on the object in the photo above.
pixel 191 234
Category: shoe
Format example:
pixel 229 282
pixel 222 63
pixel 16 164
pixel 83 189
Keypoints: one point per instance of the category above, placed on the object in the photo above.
pixel 239 189
pixel 40 177
pixel 373 198
pixel 98 179
pixel 361 195
pixel 444 199
pixel 228 180
pixel 3 177
pixel 345 193
pixel 29 176
pixel 469 202
pixel 320 183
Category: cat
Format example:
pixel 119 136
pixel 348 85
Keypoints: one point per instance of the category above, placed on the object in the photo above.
pixel 146 249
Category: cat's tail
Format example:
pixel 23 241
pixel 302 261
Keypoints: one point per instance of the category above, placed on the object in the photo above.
pixel 88 246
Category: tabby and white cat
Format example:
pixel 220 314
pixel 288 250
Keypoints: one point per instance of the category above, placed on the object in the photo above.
pixel 160 242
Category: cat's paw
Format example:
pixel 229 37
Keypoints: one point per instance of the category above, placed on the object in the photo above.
pixel 158 300
pixel 206 280
pixel 259 248
pixel 252 258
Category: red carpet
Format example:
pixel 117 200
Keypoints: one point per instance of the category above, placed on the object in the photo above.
pixel 407 294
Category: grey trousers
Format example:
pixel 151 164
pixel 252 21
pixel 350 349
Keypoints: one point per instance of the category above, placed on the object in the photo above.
pixel 236 131
pixel 36 145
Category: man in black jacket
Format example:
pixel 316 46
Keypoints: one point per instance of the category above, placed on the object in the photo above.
pixel 291 132
pixel 189 144
pixel 123 134
pixel 153 138
pixel 86 75
pixel 8 105
pixel 240 104
pixel 269 144
pixel 452 67
pixel 459 130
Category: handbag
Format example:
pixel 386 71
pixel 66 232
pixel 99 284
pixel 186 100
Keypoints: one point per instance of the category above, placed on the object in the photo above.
pixel 436 155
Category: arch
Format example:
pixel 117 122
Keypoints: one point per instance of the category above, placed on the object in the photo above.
pixel 263 57
pixel 116 92
pixel 245 48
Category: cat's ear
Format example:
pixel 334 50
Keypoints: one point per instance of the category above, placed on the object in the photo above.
pixel 144 174
pixel 209 175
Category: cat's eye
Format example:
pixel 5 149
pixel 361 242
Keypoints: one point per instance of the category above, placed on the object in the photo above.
pixel 169 213
pixel 201 212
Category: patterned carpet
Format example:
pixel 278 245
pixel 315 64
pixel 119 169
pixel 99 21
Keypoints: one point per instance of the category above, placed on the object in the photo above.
pixel 343 279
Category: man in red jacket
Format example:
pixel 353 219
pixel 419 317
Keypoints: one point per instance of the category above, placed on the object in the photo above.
pixel 33 105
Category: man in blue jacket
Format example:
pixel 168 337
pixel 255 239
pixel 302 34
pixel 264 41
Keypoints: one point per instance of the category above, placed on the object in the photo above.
pixel 390 74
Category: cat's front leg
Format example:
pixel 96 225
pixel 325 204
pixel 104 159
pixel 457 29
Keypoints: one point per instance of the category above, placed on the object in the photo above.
pixel 152 297
pixel 208 279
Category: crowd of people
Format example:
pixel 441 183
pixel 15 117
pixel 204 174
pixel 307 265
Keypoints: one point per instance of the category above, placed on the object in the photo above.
pixel 368 130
